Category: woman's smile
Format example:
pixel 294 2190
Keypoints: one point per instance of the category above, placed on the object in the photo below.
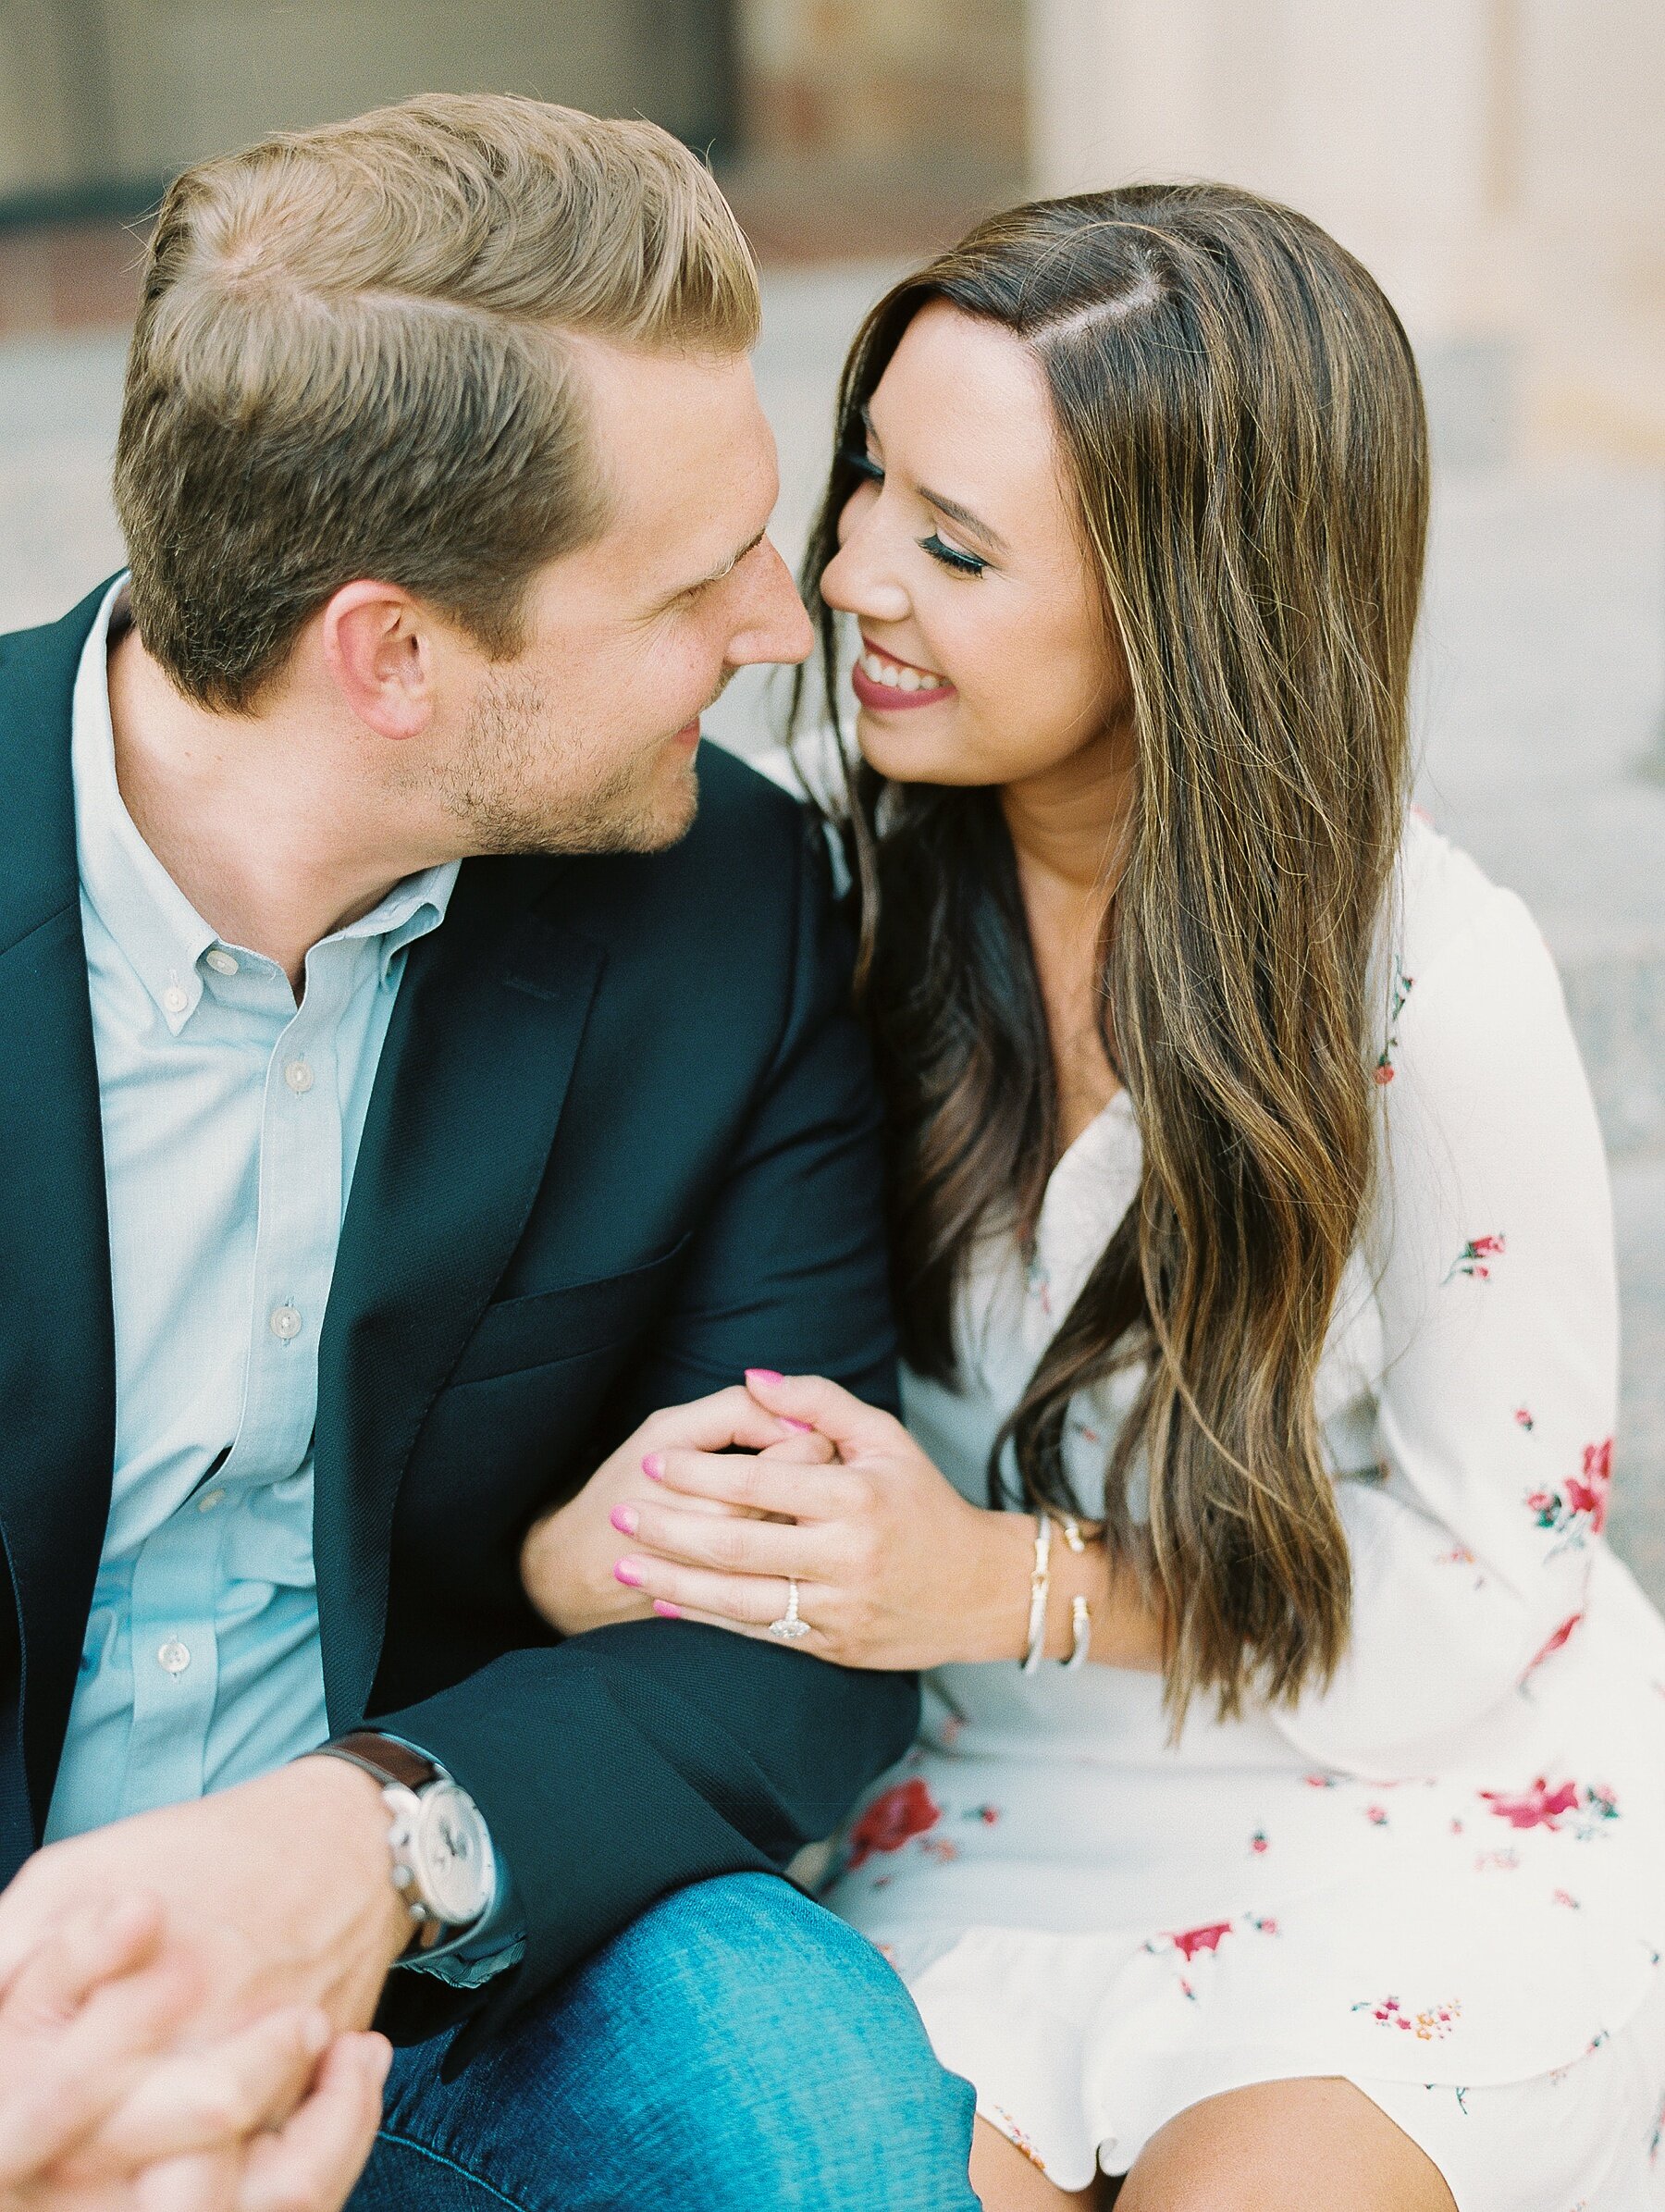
pixel 886 684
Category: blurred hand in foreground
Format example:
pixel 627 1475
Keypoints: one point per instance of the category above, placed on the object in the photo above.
pixel 99 2112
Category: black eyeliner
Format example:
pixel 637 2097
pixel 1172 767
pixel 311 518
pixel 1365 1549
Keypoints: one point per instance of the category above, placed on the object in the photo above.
pixel 965 564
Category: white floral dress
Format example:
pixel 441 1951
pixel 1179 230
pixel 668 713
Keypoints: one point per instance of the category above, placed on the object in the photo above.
pixel 1443 1878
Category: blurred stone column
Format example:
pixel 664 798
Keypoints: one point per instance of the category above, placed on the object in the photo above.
pixel 1495 162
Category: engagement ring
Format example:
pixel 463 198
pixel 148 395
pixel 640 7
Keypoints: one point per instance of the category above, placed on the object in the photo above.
pixel 789 1627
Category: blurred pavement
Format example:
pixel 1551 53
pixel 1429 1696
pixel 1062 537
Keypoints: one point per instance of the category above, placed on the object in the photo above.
pixel 1541 716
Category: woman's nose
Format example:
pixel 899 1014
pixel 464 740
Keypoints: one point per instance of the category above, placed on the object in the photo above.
pixel 855 582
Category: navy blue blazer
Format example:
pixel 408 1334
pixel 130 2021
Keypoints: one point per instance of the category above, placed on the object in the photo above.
pixel 623 1144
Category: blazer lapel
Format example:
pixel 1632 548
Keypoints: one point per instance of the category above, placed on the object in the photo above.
pixel 472 1078
pixel 58 1356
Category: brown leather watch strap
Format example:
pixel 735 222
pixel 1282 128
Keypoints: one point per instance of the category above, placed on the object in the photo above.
pixel 385 1757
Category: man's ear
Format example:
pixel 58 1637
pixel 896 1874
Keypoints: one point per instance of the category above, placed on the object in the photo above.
pixel 378 646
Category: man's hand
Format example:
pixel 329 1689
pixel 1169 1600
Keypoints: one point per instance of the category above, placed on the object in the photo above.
pixel 273 1894
pixel 93 2119
pixel 567 1561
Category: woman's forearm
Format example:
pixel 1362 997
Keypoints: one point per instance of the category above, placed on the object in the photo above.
pixel 1127 1630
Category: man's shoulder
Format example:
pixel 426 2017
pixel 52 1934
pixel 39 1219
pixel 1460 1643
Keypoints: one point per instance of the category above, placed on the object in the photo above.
pixel 744 848
pixel 50 642
pixel 738 802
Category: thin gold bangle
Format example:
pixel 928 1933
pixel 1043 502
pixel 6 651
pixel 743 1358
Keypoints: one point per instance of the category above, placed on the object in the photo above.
pixel 1039 1579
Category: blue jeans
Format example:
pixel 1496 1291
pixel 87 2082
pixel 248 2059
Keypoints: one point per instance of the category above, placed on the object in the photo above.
pixel 737 2049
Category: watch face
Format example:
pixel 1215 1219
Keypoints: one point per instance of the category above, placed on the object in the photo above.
pixel 453 1855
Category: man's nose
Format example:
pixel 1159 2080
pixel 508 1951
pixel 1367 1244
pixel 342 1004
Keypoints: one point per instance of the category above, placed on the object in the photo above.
pixel 776 628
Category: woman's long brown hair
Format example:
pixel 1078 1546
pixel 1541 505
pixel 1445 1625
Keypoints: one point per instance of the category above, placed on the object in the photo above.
pixel 1238 409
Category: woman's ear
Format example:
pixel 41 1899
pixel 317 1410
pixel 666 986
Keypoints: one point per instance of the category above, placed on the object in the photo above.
pixel 377 648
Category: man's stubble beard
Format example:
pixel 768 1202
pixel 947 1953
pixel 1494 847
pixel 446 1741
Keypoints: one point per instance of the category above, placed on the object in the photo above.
pixel 497 784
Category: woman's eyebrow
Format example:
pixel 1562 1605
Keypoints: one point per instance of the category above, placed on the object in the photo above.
pixel 964 516
pixel 951 508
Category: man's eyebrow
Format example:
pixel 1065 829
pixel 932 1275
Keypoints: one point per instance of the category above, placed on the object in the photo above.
pixel 725 568
pixel 951 508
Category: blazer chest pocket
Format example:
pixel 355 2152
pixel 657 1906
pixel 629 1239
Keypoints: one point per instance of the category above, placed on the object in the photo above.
pixel 545 1325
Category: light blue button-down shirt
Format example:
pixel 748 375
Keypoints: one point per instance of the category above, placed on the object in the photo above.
pixel 231 1124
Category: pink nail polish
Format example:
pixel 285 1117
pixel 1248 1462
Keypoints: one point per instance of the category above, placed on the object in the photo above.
pixel 666 1611
pixel 653 1467
pixel 803 1428
pixel 628 1572
pixel 763 1375
pixel 624 1519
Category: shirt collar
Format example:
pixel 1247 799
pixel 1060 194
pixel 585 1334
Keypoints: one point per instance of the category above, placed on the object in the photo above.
pixel 157 929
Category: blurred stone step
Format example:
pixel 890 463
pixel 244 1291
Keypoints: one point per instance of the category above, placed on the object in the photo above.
pixel 1618 1011
pixel 1638 1516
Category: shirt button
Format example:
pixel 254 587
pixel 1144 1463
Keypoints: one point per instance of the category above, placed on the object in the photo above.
pixel 175 999
pixel 285 1323
pixel 298 1076
pixel 174 1656
pixel 221 961
pixel 209 1500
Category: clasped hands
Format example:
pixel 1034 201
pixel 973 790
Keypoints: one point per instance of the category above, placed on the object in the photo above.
pixel 894 1568
pixel 99 2114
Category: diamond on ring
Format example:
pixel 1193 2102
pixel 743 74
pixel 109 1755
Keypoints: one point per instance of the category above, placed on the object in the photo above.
pixel 789 1627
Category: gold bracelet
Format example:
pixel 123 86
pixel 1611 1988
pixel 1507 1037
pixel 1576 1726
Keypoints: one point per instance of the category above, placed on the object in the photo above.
pixel 1080 1613
pixel 1039 1578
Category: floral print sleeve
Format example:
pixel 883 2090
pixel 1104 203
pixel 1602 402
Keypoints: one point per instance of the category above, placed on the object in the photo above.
pixel 1493 1278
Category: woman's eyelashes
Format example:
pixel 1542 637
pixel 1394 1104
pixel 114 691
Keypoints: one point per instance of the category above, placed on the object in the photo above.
pixel 962 564
pixel 947 556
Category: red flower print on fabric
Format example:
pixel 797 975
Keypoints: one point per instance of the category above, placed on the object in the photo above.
pixel 1523 1419
pixel 1539 1807
pixel 1553 1643
pixel 1588 1810
pixel 1259 1843
pixel 891 1820
pixel 1587 1493
pixel 1475 1259
pixel 1191 1941
pixel 1432 2024
pixel 1402 986
pixel 1580 1507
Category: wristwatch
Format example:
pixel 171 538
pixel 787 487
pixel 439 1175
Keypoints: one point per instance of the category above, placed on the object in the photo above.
pixel 443 1865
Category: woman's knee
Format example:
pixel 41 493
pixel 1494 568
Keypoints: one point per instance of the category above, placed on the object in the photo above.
pixel 1276 2143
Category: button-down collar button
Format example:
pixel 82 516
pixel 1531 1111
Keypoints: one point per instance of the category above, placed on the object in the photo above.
pixel 285 1323
pixel 298 1076
pixel 209 1500
pixel 176 999
pixel 173 1656
pixel 221 961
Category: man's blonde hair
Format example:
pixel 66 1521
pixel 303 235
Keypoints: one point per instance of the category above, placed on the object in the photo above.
pixel 348 362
